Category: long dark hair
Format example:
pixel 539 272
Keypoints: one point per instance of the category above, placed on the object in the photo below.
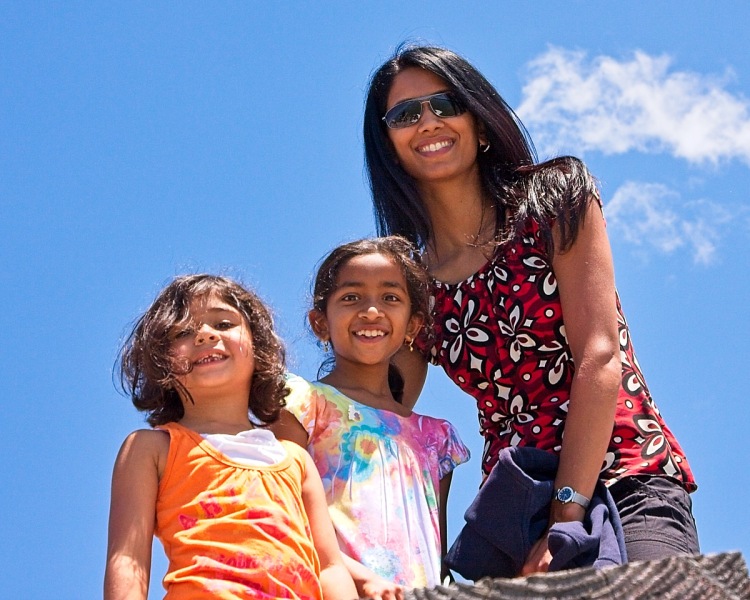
pixel 148 372
pixel 405 256
pixel 553 191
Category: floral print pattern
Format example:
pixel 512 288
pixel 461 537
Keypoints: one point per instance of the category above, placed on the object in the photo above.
pixel 500 336
pixel 381 473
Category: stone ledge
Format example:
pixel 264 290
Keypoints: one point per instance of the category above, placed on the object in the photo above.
pixel 699 577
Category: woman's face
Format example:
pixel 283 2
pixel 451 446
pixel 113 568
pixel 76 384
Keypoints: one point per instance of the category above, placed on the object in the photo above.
pixel 434 149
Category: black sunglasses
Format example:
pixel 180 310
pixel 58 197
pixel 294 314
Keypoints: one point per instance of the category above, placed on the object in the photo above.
pixel 408 112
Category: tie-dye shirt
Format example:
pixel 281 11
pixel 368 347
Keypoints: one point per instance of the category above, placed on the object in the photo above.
pixel 381 474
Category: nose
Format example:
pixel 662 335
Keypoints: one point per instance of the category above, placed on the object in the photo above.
pixel 428 119
pixel 371 313
pixel 204 335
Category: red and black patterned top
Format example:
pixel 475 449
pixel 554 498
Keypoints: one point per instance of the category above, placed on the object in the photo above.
pixel 500 336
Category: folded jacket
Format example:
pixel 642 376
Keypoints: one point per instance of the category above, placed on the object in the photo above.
pixel 511 512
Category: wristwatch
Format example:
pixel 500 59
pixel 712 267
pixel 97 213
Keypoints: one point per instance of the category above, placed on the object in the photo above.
pixel 568 494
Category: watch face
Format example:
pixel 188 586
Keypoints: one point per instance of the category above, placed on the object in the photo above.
pixel 565 494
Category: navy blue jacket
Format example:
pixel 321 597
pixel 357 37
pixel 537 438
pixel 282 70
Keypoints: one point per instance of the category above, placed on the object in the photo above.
pixel 511 513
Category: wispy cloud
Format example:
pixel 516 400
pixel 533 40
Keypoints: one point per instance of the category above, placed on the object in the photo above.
pixel 573 103
pixel 654 218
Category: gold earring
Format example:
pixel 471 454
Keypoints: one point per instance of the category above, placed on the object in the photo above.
pixel 409 341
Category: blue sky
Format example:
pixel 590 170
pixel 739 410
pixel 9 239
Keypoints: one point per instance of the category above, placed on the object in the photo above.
pixel 142 140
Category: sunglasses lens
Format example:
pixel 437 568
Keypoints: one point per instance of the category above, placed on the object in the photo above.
pixel 404 114
pixel 444 105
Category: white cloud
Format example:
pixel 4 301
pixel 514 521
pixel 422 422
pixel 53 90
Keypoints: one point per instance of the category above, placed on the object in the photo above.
pixel 646 215
pixel 574 104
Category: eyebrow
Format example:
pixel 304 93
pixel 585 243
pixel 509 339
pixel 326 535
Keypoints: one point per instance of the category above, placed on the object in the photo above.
pixel 214 311
pixel 360 284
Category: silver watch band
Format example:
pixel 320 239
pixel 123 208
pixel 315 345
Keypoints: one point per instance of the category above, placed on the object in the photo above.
pixel 567 494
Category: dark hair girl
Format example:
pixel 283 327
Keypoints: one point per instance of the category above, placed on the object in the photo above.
pixel 403 254
pixel 369 301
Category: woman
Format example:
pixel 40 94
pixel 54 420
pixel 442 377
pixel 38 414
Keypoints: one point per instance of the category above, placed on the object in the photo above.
pixel 527 318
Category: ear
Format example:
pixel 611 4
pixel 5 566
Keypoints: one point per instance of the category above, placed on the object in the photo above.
pixel 415 324
pixel 481 134
pixel 319 325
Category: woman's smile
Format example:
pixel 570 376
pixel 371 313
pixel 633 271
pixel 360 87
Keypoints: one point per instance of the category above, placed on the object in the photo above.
pixel 434 148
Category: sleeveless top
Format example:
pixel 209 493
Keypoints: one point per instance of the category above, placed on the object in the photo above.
pixel 231 530
pixel 500 336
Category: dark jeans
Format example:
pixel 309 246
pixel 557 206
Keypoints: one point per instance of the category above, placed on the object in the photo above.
pixel 657 517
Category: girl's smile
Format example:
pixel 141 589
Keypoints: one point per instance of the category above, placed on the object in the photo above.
pixel 214 348
pixel 368 315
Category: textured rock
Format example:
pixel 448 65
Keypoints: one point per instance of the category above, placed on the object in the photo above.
pixel 700 577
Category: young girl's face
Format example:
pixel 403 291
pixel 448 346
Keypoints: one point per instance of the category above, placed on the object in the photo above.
pixel 368 315
pixel 214 348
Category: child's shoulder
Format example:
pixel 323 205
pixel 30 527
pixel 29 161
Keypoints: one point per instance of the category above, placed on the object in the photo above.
pixel 147 438
pixel 144 447
pixel 294 381
pixel 303 391
pixel 436 424
pixel 146 441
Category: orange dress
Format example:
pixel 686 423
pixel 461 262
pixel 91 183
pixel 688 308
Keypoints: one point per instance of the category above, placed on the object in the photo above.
pixel 230 530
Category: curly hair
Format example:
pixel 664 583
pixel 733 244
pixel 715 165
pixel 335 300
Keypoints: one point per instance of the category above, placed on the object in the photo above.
pixel 148 372
pixel 404 254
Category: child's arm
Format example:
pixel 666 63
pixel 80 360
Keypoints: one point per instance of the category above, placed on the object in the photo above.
pixel 135 482
pixel 369 584
pixel 335 580
pixel 445 484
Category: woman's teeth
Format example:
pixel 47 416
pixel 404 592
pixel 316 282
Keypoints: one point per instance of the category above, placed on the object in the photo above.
pixel 436 146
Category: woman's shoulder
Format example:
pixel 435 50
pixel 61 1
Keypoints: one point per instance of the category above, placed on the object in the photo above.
pixel 552 194
pixel 557 177
pixel 567 166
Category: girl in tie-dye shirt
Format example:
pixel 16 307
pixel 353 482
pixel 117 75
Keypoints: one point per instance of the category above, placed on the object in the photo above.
pixel 386 470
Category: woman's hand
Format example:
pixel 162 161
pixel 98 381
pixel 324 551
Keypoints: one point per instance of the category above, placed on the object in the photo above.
pixel 539 558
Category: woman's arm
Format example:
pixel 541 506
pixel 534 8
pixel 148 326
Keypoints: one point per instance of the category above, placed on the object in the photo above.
pixel 335 580
pixel 413 368
pixel 445 486
pixel 135 482
pixel 585 278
